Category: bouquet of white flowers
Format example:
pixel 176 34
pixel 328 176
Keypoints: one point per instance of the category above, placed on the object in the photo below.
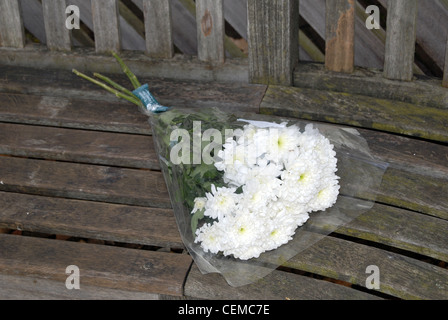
pixel 248 195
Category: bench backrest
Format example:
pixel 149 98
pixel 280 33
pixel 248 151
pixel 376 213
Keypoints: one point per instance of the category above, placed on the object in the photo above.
pixel 272 33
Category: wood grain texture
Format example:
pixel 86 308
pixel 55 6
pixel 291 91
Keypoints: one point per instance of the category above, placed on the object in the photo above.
pixel 400 39
pixel 84 182
pixel 115 149
pixel 425 92
pixel 100 266
pixel 445 72
pixel 12 33
pixel 90 220
pixel 272 38
pixel 210 30
pixel 400 276
pixel 357 110
pixel 340 35
pixel 72 113
pixel 106 25
pixel 57 35
pixel 278 285
pixel 71 91
pixel 158 28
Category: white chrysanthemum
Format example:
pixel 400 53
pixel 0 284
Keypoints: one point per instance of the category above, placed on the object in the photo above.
pixel 199 204
pixel 284 175
pixel 211 237
pixel 246 232
pixel 282 141
pixel 220 202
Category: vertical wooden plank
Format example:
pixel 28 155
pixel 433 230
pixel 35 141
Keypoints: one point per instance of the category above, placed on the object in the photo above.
pixel 340 35
pixel 11 30
pixel 273 29
pixel 57 34
pixel 445 72
pixel 158 28
pixel 210 30
pixel 106 25
pixel 400 39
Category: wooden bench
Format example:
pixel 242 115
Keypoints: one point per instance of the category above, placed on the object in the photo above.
pixel 80 182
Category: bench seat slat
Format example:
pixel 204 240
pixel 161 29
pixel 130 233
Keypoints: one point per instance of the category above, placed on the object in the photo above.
pixel 277 285
pixel 100 266
pixel 400 276
pixel 88 219
pixel 116 149
pixel 84 181
pixel 357 110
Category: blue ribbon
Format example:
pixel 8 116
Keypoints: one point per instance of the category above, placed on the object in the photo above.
pixel 149 102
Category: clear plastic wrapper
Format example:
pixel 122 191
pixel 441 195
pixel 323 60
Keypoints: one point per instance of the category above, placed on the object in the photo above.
pixel 359 173
pixel 191 145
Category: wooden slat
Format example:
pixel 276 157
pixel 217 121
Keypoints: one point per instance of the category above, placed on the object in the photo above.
pixel 423 92
pixel 106 25
pixel 181 67
pixel 69 89
pixel 89 219
pixel 445 73
pixel 58 36
pixel 400 39
pixel 402 229
pixel 340 35
pixel 130 38
pixel 278 285
pixel 273 37
pixel 100 266
pixel 210 30
pixel 126 150
pixel 159 38
pixel 12 32
pixel 357 110
pixel 84 181
pixel 72 113
pixel 400 276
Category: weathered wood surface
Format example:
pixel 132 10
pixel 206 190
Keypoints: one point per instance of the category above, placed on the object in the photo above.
pixel 286 286
pixel 65 172
pixel 100 266
pixel 85 59
pixel 348 261
pixel 158 28
pixel 84 181
pixel 69 88
pixel 340 35
pixel 57 35
pixel 445 73
pixel 400 39
pixel 11 16
pixel 357 110
pixel 210 30
pixel 273 36
pixel 90 220
pixel 114 149
pixel 106 25
pixel 422 91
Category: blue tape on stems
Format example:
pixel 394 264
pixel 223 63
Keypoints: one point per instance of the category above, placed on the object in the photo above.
pixel 150 103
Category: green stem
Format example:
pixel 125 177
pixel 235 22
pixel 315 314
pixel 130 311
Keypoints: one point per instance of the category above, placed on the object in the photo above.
pixel 114 84
pixel 128 72
pixel 117 93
